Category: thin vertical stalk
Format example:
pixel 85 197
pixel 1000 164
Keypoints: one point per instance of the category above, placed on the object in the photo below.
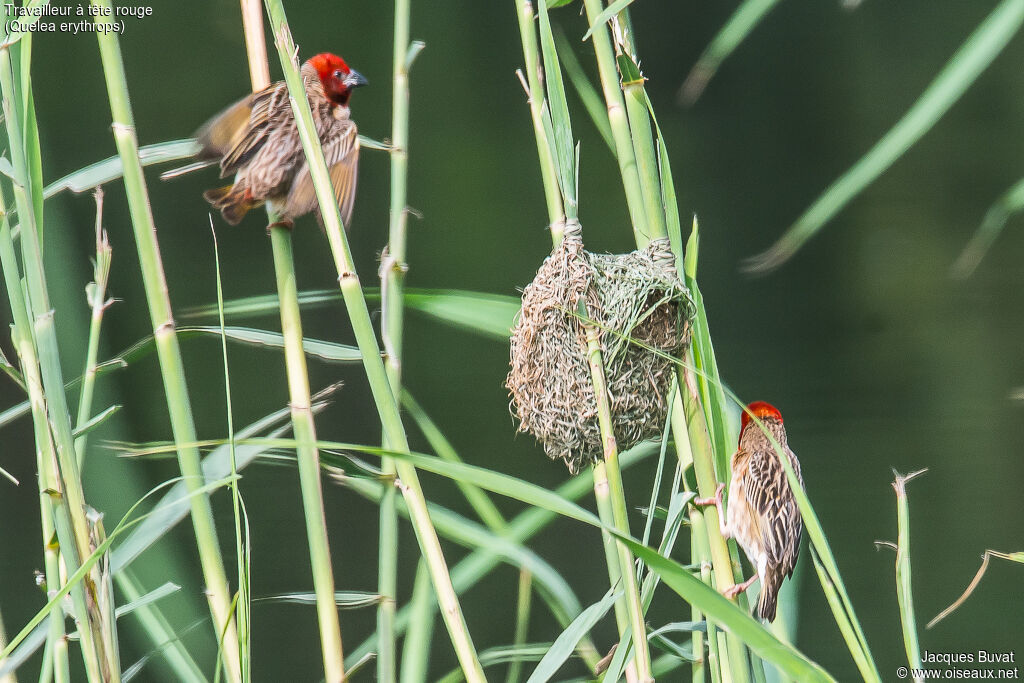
pixel 56 648
pixel 99 643
pixel 307 455
pixel 168 351
pixel 535 97
pixel 303 423
pixel 420 631
pixel 704 471
pixel 392 275
pixel 641 132
pixel 96 293
pixel 362 327
pixel 617 117
pixel 243 609
pixel 620 521
pixel 904 586
pixel 525 593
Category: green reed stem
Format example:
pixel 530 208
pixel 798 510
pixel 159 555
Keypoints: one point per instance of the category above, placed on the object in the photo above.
pixel 362 327
pixel 56 647
pixel 243 602
pixel 303 423
pixel 420 631
pixel 904 585
pixel 307 455
pixel 617 117
pixel 168 351
pixel 97 293
pixel 523 604
pixel 99 644
pixel 392 274
pixel 617 503
pixel 535 97
pixel 704 471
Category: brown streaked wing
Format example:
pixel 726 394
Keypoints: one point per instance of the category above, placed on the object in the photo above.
pixel 219 134
pixel 767 490
pixel 342 155
pixel 265 111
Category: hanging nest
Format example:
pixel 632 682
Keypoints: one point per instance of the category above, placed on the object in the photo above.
pixel 639 307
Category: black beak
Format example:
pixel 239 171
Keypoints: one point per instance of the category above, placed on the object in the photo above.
pixel 355 79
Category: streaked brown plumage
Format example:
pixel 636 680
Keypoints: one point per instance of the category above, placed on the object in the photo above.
pixel 256 139
pixel 763 516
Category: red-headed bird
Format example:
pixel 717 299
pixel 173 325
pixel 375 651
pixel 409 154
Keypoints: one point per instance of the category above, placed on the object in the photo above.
pixel 256 139
pixel 763 516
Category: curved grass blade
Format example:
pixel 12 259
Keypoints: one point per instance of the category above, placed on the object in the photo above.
pixel 343 599
pixel 991 225
pixel 744 20
pixel 105 171
pixel 324 350
pixel 606 15
pixel 973 57
pixel 989 554
pixel 491 315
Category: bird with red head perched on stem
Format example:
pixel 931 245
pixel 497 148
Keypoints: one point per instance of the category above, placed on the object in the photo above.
pixel 256 139
pixel 762 515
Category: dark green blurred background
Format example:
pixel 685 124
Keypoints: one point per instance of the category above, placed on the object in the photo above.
pixel 876 357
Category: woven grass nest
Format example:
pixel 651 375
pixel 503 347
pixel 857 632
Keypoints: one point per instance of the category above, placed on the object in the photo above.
pixel 639 306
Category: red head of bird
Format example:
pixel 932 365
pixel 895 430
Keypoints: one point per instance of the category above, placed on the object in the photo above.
pixel 762 411
pixel 336 77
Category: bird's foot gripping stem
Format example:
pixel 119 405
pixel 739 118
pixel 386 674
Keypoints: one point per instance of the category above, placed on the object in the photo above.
pixel 732 591
pixel 287 224
pixel 715 500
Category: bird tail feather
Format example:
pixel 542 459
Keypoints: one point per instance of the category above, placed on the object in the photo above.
pixel 769 598
pixel 233 204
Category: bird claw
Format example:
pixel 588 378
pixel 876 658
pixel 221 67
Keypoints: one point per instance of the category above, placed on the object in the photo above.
pixel 288 225
pixel 715 500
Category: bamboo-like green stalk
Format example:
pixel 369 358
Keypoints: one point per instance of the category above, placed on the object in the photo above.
pixel 535 97
pixel 98 303
pixel 704 472
pixel 523 603
pixel 308 456
pixel 303 423
pixel 362 327
pixel 620 521
pixel 617 117
pixel 642 135
pixel 904 587
pixel 168 351
pixel 56 659
pixel 51 414
pixel 420 631
pixel 392 275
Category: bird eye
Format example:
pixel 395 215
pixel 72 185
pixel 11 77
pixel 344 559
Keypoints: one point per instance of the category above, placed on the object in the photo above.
pixel 339 75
